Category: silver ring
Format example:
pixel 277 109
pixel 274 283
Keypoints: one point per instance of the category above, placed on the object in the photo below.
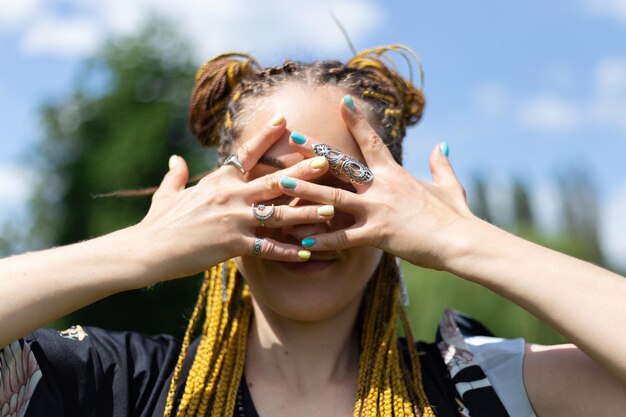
pixel 258 213
pixel 234 161
pixel 258 244
pixel 342 164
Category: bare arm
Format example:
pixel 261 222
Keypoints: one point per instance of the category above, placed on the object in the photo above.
pixel 583 302
pixel 41 286
pixel 562 381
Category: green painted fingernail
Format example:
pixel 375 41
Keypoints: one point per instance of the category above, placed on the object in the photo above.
pixel 288 182
pixel 349 101
pixel 304 254
pixel 297 137
pixel 444 148
pixel 307 242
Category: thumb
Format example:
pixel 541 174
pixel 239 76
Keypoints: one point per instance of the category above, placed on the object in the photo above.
pixel 177 176
pixel 440 166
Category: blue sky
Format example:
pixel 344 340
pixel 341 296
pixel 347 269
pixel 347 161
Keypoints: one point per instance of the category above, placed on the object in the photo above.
pixel 519 88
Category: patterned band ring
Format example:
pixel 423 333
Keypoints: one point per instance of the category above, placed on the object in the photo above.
pixel 342 164
pixel 258 244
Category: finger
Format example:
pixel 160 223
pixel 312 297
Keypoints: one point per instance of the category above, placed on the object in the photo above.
pixel 337 240
pixel 441 168
pixel 282 216
pixel 372 146
pixel 176 178
pixel 322 194
pixel 276 251
pixel 267 186
pixel 301 144
pixel 251 150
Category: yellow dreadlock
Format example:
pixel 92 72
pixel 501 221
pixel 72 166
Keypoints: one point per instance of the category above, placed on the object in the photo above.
pixel 211 387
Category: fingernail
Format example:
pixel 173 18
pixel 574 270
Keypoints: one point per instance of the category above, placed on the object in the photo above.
pixel 349 101
pixel 277 120
pixel 288 182
pixel 326 210
pixel 444 148
pixel 304 254
pixel 297 137
pixel 172 161
pixel 307 242
pixel 319 162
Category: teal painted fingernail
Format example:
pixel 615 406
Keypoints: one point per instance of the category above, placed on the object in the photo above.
pixel 444 148
pixel 349 101
pixel 298 137
pixel 307 242
pixel 288 182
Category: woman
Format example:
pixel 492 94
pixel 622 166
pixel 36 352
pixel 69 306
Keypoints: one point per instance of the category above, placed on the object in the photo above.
pixel 303 291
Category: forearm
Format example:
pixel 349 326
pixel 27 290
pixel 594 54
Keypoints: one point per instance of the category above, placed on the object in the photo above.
pixel 580 300
pixel 39 287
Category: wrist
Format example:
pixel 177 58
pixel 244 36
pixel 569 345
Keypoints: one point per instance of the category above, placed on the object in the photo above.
pixel 469 245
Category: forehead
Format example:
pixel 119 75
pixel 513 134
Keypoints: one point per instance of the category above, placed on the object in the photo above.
pixel 312 111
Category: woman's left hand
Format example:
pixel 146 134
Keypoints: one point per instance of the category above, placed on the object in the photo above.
pixel 412 219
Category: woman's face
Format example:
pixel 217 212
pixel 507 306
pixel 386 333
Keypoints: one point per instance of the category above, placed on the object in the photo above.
pixel 330 281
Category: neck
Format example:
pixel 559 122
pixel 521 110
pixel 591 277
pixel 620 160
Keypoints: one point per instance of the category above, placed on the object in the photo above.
pixel 303 354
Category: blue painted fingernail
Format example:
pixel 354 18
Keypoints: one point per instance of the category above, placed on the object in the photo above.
pixel 288 182
pixel 297 137
pixel 307 242
pixel 349 101
pixel 444 148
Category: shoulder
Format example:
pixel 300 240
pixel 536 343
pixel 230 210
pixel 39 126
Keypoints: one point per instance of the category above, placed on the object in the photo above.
pixel 562 380
pixel 486 370
pixel 70 372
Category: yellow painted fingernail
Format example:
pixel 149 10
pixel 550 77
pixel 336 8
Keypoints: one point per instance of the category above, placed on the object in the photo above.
pixel 319 162
pixel 326 210
pixel 278 119
pixel 304 254
pixel 172 161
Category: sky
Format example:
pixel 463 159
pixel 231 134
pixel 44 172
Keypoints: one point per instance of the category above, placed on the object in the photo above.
pixel 519 89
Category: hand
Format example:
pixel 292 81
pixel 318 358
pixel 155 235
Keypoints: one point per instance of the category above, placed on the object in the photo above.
pixel 397 213
pixel 191 229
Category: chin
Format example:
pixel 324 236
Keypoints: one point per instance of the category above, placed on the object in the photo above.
pixel 316 290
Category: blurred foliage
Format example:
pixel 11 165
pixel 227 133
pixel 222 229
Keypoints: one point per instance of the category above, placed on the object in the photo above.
pixel 127 115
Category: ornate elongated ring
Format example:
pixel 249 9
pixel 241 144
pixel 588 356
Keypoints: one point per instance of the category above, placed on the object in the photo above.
pixel 258 244
pixel 342 164
pixel 234 161
pixel 259 210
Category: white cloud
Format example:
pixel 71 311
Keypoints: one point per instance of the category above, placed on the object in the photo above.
pixel 550 113
pixel 613 228
pixel 14 13
pixel 615 9
pixel 264 27
pixel 547 111
pixel 77 36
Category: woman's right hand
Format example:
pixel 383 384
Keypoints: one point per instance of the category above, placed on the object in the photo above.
pixel 190 229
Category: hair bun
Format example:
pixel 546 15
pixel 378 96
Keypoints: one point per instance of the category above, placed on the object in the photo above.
pixel 409 101
pixel 217 81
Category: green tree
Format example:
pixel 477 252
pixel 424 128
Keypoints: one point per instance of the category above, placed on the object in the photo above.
pixel 479 199
pixel 116 130
pixel 522 210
